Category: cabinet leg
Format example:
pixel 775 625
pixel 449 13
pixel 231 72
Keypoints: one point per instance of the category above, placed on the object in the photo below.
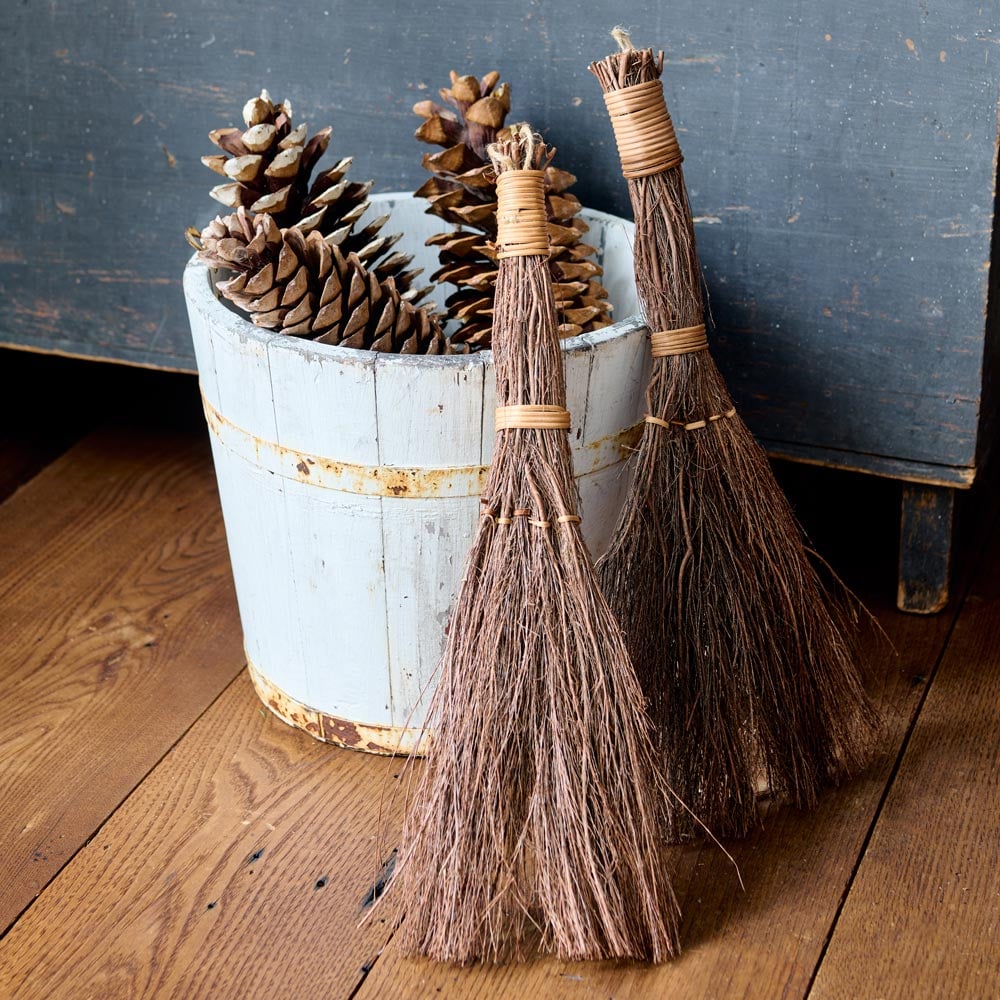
pixel 925 548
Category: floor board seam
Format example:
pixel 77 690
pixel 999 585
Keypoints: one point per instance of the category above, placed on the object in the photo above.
pixel 113 812
pixel 973 575
pixel 366 970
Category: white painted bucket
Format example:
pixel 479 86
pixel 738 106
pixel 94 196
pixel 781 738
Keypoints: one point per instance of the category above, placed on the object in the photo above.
pixel 350 488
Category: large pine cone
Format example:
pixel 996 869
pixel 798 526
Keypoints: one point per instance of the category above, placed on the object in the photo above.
pixel 462 191
pixel 301 284
pixel 270 164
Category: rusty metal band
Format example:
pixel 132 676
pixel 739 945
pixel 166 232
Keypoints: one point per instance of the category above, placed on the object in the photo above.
pixel 647 143
pixel 391 480
pixel 687 340
pixel 537 417
pixel 522 222
pixel 379 739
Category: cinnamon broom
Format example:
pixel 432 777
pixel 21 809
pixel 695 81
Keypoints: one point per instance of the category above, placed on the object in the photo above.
pixel 534 824
pixel 748 659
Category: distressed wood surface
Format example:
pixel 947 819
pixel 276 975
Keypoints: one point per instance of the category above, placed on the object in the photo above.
pixel 237 870
pixel 933 474
pixel 764 942
pixel 350 487
pixel 116 584
pixel 234 374
pixel 239 864
pixel 616 386
pixel 329 550
pixel 425 541
pixel 841 163
pixel 921 919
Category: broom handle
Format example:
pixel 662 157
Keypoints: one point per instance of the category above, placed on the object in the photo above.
pixel 648 146
pixel 523 231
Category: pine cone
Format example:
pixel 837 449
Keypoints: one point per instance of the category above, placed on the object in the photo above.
pixel 270 166
pixel 301 284
pixel 462 191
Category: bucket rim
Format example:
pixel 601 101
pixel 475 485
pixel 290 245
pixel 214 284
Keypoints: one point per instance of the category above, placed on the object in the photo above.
pixel 199 290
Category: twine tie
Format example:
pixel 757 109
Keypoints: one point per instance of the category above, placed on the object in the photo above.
pixel 647 143
pixel 537 417
pixel 686 340
pixel 522 222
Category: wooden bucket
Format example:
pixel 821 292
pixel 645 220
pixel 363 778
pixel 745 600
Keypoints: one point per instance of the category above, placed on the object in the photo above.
pixel 350 487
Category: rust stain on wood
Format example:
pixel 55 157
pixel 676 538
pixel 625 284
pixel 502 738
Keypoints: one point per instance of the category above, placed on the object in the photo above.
pixel 388 480
pixel 348 733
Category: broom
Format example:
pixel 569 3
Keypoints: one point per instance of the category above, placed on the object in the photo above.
pixel 747 658
pixel 535 822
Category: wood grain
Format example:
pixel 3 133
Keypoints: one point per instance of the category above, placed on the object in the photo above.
pixel 921 919
pixel 119 629
pixel 841 165
pixel 764 942
pixel 957 476
pixel 237 867
pixel 236 870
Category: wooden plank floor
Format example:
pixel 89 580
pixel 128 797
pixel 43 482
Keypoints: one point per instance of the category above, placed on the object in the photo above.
pixel 164 836
pixel 120 627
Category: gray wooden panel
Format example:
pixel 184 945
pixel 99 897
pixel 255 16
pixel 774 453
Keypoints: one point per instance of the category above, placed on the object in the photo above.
pixel 848 268
pixel 990 407
pixel 840 158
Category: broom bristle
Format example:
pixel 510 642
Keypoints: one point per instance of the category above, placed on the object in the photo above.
pixel 749 661
pixel 534 825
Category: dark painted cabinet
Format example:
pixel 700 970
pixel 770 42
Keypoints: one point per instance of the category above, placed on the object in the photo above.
pixel 841 160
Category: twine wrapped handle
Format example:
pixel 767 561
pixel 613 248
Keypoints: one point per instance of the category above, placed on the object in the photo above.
pixel 522 222
pixel 523 231
pixel 647 143
pixel 686 340
pixel 537 416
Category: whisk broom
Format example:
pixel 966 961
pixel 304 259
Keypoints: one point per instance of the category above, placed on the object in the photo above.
pixel 534 824
pixel 748 659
